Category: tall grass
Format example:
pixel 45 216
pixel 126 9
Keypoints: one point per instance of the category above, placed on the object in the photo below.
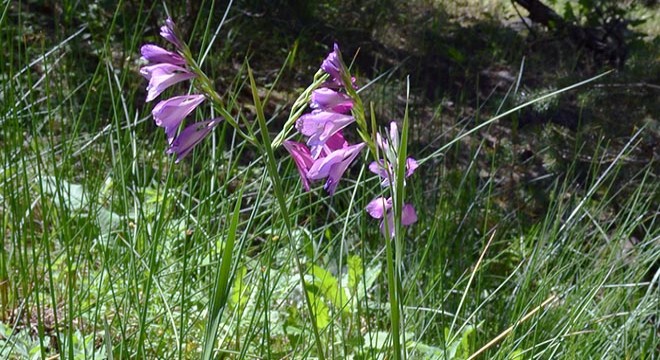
pixel 111 250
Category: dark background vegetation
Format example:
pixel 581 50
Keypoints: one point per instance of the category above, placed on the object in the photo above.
pixel 465 62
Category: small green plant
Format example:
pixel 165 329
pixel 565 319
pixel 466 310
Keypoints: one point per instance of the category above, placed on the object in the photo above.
pixel 289 222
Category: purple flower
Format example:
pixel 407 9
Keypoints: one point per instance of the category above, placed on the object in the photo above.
pixel 384 144
pixel 167 31
pixel 169 113
pixel 161 76
pixel 332 64
pixel 379 168
pixel 385 168
pixel 320 125
pixel 411 166
pixel 334 142
pixel 337 85
pixel 408 217
pixel 156 54
pixel 302 158
pixel 334 165
pixel 330 100
pixel 381 208
pixel 191 136
pixel 385 173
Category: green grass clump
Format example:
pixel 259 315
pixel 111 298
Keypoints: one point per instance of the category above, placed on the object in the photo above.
pixel 111 250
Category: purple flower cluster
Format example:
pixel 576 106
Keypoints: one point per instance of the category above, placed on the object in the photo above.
pixel 381 207
pixel 165 69
pixel 326 154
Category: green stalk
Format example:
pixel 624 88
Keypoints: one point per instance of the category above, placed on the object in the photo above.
pixel 271 166
pixel 358 111
pixel 392 280
pixel 223 282
pixel 298 107
pixel 205 85
pixel 398 203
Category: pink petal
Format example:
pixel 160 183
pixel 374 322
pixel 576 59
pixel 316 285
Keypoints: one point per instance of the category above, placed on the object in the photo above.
pixel 378 168
pixel 387 225
pixel 408 215
pixel 322 166
pixel 334 165
pixel 394 136
pixel 302 158
pixel 330 100
pixel 378 207
pixel 314 123
pixel 156 54
pixel 411 166
pixel 161 76
pixel 336 142
pixel 338 170
pixel 167 31
pixel 190 137
pixel 170 113
pixel 381 142
pixel 332 65
pixel 320 126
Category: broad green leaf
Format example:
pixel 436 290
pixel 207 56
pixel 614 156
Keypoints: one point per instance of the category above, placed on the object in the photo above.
pixel 381 340
pixel 459 348
pixel 329 287
pixel 321 311
pixel 74 198
pixel 464 350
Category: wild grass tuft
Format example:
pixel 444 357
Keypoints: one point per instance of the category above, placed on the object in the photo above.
pixel 111 250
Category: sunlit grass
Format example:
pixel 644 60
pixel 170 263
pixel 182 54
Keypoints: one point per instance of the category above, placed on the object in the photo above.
pixel 111 250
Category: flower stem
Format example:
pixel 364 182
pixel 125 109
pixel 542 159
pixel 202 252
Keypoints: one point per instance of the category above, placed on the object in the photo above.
pixel 205 85
pixel 393 289
pixel 271 166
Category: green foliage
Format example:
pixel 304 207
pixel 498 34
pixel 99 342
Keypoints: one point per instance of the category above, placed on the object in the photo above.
pixel 457 349
pixel 21 345
pixel 595 12
pixel 320 311
pixel 329 287
pixel 110 250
